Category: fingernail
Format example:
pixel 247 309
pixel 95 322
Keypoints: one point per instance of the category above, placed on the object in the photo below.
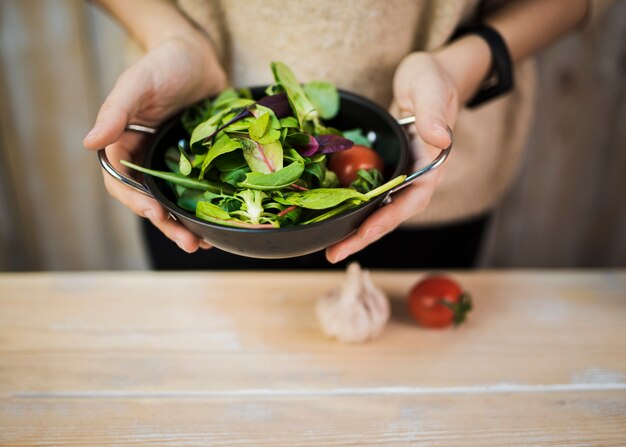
pixel 440 129
pixel 341 256
pixel 182 246
pixel 205 245
pixel 373 233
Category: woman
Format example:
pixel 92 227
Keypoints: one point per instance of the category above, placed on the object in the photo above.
pixel 411 56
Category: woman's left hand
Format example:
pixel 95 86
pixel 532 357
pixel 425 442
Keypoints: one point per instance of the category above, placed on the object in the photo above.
pixel 422 87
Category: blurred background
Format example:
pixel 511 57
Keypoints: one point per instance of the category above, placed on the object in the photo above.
pixel 59 58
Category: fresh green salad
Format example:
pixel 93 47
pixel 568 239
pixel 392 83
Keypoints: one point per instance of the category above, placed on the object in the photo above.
pixel 263 164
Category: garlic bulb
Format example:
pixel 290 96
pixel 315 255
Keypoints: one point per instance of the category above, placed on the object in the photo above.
pixel 356 311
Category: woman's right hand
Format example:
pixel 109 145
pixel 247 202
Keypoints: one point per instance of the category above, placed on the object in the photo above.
pixel 173 74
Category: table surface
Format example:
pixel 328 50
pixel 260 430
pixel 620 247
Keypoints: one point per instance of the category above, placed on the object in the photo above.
pixel 174 359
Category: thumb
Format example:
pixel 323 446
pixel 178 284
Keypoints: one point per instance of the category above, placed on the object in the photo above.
pixel 431 121
pixel 119 107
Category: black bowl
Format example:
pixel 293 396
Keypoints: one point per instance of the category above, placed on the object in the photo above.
pixel 355 111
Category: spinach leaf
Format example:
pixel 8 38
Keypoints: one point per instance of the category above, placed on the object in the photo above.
pixel 207 209
pixel 320 198
pixel 289 122
pixel 293 155
pixel 340 209
pixel 276 180
pixel 230 161
pixel 265 158
pixel 317 170
pixel 259 127
pixel 357 137
pixel 184 166
pixel 324 97
pixel 223 145
pixel 263 133
pixel 386 187
pixel 235 176
pixel 305 144
pixel 367 180
pixel 300 103
pixel 206 129
pixel 196 114
pixel 188 199
pixel 179 179
pixel 330 180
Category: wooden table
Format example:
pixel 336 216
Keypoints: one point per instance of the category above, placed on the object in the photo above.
pixel 238 359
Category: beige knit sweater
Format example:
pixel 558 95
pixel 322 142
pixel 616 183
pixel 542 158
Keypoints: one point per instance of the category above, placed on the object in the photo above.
pixel 357 44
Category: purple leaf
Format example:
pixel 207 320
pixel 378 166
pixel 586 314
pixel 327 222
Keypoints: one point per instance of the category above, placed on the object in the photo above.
pixel 278 103
pixel 333 143
pixel 305 144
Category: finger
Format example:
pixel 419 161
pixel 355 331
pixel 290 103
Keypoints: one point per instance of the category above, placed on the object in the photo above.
pixel 149 208
pixel 139 203
pixel 122 103
pixel 178 234
pixel 431 122
pixel 406 203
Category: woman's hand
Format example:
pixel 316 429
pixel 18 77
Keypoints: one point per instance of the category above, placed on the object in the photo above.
pixel 422 87
pixel 177 72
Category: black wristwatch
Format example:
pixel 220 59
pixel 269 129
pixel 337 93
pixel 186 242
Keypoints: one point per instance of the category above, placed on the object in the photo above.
pixel 500 80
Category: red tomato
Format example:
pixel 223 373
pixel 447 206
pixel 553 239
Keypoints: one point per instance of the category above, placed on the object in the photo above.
pixel 347 163
pixel 438 301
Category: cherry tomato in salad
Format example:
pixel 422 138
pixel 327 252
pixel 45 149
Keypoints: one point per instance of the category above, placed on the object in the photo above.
pixel 438 302
pixel 347 163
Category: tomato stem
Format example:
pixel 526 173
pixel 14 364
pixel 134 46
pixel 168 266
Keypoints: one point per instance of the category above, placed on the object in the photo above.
pixel 459 309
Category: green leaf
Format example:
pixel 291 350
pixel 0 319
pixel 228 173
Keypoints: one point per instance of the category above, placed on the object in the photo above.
pixel 179 179
pixel 340 209
pixel 223 145
pixel 289 122
pixel 236 176
pixel 386 187
pixel 252 204
pixel 229 203
pixel 195 114
pixel 272 132
pixel 265 158
pixel 367 180
pixel 172 156
pixel 276 180
pixel 330 180
pixel 244 92
pixel 300 103
pixel 357 137
pixel 318 170
pixel 184 166
pixel 230 99
pixel 321 198
pixel 189 198
pixel 230 161
pixel 239 126
pixel 293 155
pixel 215 214
pixel 324 97
pixel 207 209
pixel 206 128
pixel 259 127
pixel 225 96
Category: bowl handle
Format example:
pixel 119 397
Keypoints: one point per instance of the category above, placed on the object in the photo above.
pixel 117 175
pixel 438 161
